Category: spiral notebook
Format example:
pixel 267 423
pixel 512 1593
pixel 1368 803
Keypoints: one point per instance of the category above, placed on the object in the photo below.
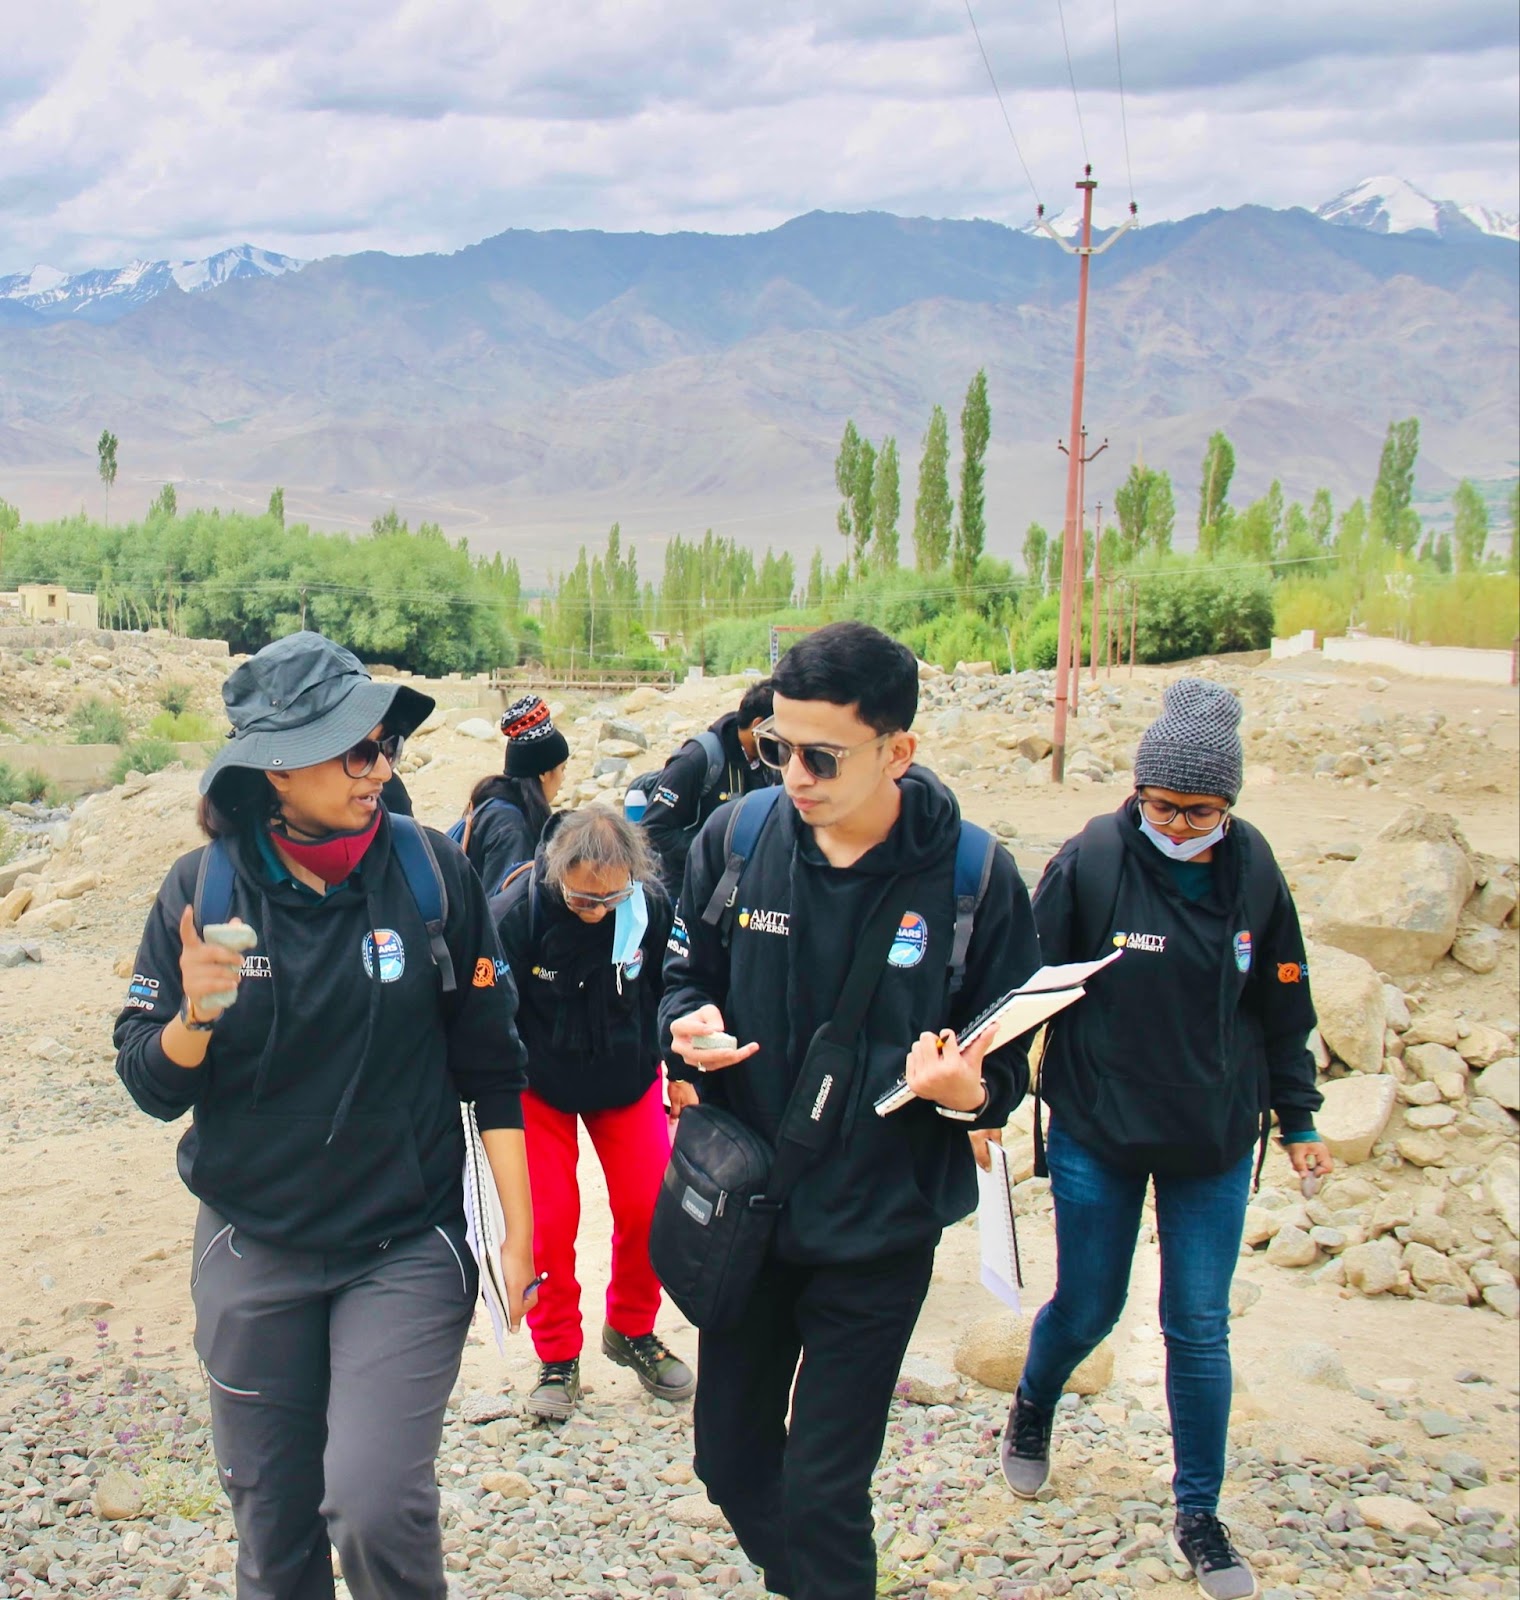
pixel 1002 1271
pixel 485 1226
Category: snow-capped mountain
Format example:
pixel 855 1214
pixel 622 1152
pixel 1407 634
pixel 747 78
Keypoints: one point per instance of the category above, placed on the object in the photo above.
pixel 105 293
pixel 1393 205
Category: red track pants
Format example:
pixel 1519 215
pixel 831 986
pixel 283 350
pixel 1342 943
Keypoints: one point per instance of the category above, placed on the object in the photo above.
pixel 633 1146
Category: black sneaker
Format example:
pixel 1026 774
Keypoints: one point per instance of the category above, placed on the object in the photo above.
pixel 1203 1541
pixel 1026 1447
pixel 558 1390
pixel 662 1374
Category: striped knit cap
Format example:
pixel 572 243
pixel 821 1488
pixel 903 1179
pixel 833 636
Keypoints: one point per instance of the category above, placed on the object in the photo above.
pixel 534 745
pixel 1193 747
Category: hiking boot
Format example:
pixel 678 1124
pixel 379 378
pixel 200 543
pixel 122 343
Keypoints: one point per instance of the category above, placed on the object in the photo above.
pixel 1026 1447
pixel 1203 1541
pixel 663 1375
pixel 558 1390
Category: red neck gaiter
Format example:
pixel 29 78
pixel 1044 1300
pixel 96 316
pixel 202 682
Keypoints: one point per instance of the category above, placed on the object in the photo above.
pixel 332 858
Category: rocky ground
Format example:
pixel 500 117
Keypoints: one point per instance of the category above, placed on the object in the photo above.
pixel 1374 1433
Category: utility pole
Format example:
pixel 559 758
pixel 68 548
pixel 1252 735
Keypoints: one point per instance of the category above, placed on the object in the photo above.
pixel 1072 598
pixel 1134 614
pixel 1084 253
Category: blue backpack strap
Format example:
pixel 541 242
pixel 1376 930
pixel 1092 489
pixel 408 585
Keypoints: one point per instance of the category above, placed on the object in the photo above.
pixel 745 824
pixel 420 866
pixel 974 851
pixel 213 885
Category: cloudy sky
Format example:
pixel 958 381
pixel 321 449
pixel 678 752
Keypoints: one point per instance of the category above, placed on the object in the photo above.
pixel 176 127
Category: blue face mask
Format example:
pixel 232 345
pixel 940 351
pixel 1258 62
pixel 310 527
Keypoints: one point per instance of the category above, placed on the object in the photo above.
pixel 630 922
pixel 1186 849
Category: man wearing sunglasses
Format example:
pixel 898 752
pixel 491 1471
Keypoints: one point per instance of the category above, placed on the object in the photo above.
pixel 792 1404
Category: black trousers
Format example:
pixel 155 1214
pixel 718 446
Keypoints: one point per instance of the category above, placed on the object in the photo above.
pixel 799 1496
pixel 329 1375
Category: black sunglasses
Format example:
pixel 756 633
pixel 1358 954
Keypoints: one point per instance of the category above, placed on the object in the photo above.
pixel 359 761
pixel 821 760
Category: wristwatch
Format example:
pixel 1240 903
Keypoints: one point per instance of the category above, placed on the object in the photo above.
pixel 187 1022
pixel 966 1116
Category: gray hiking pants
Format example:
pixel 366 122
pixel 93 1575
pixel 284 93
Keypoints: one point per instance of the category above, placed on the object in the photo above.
pixel 328 1376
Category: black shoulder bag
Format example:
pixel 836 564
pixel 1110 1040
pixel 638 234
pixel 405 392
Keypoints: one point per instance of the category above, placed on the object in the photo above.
pixel 725 1187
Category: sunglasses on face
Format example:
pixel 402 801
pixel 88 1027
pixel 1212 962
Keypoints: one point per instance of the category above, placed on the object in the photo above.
pixel 822 761
pixel 1162 813
pixel 595 902
pixel 359 761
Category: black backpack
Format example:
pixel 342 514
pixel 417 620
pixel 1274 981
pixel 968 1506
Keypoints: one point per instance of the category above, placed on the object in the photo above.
pixel 717 763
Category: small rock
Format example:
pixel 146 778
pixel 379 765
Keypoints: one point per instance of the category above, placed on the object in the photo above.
pixel 1483 1045
pixel 1441 1424
pixel 1373 1269
pixel 1432 1059
pixel 118 1496
pixel 1423 1149
pixel 478 728
pixel 694 1511
pixel 1425 1117
pixel 1292 1247
pixel 1394 1514
pixel 1477 949
pixel 1494 904
pixel 1312 1362
pixel 1500 1082
pixel 1354 1115
pixel 509 1485
pixel 926 1383
pixel 992 1351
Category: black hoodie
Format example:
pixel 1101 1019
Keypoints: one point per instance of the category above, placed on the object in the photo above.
pixel 502 836
pixel 591 1030
pixel 326 1112
pixel 677 806
pixel 890 1182
pixel 1168 1063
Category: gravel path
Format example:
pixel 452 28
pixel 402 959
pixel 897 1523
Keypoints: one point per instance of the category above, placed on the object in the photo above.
pixel 606 1508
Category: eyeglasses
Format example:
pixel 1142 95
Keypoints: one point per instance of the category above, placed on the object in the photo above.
pixel 1199 818
pixel 822 761
pixel 360 761
pixel 595 902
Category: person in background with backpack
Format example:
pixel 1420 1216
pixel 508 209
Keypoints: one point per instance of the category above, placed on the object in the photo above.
pixel 507 813
pixel 859 837
pixel 585 929
pixel 324 1070
pixel 1165 1075
pixel 702 775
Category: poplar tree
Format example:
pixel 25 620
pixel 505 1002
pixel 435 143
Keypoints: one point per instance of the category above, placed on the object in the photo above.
pixel 971 524
pixel 1469 533
pixel 932 510
pixel 105 452
pixel 886 503
pixel 1213 494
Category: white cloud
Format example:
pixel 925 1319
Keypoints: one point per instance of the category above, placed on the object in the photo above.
pixel 166 127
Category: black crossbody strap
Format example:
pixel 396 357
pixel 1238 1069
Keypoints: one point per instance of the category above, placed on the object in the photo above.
pixel 814 1108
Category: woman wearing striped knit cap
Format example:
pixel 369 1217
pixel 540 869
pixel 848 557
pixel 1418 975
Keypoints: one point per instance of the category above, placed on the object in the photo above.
pixel 507 812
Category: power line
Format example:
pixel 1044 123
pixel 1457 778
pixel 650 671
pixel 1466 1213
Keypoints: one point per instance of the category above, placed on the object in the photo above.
pixel 1123 118
pixel 1071 73
pixel 992 78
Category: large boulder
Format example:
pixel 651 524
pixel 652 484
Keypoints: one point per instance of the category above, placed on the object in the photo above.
pixel 1350 1005
pixel 1398 903
pixel 992 1350
pixel 1374 1268
pixel 1354 1115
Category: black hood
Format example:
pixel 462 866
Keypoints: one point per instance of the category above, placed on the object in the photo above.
pixel 926 831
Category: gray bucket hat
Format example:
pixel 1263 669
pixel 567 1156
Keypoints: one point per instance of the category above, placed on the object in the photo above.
pixel 303 700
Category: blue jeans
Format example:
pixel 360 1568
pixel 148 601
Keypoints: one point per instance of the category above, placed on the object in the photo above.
pixel 1199 1221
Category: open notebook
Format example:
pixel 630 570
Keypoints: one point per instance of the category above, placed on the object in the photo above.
pixel 486 1227
pixel 1002 1271
pixel 1020 1011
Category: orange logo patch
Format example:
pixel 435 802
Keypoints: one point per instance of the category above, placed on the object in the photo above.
pixel 1289 972
pixel 485 973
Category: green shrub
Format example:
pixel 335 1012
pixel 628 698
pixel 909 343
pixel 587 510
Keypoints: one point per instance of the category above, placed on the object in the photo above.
pixel 175 698
pixel 1036 648
pixel 1187 610
pixel 188 727
pixel 63 662
pixel 144 755
pixel 10 787
pixel 97 721
pixel 960 636
pixel 35 785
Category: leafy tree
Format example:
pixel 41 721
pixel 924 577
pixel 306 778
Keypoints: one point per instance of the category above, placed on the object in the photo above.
pixel 1351 536
pixel 1392 522
pixel 1297 542
pixel 1131 503
pixel 1054 560
pixel 277 504
pixel 10 520
pixel 105 451
pixel 854 477
pixel 816 581
pixel 971 524
pixel 886 504
pixel 1322 519
pixel 1470 530
pixel 1511 566
pixel 1160 513
pixel 933 509
pixel 1036 543
pixel 1213 495
pixel 165 503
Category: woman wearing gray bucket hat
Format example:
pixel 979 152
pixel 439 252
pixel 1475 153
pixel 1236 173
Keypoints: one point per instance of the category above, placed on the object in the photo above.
pixel 321 986
pixel 1167 1074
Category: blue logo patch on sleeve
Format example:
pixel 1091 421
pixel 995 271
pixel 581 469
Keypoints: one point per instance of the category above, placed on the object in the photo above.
pixel 1243 950
pixel 909 942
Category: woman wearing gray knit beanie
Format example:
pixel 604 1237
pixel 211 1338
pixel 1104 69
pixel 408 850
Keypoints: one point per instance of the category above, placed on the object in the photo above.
pixel 1168 1074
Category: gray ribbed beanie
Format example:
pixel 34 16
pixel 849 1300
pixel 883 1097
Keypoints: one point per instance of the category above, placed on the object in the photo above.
pixel 1193 746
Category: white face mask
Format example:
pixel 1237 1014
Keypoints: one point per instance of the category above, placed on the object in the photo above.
pixel 630 921
pixel 1185 849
